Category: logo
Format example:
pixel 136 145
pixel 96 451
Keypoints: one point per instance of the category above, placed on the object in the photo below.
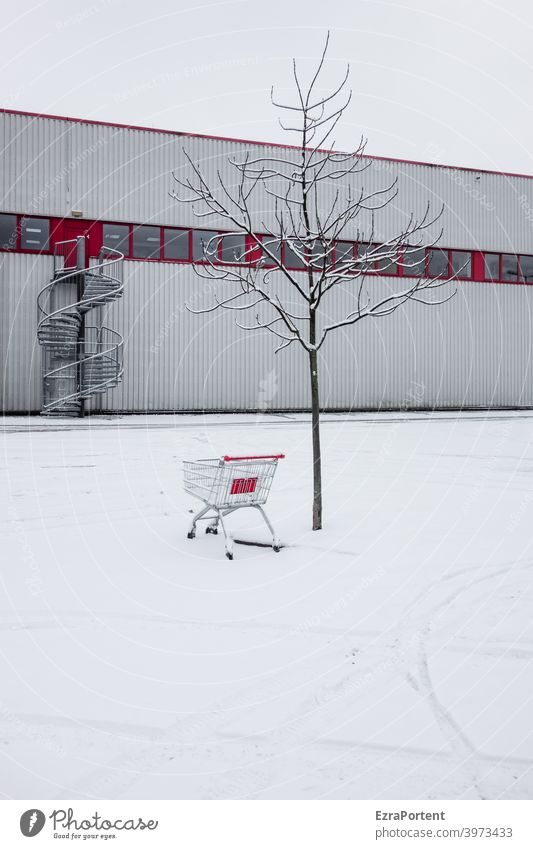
pixel 32 822
pixel 64 824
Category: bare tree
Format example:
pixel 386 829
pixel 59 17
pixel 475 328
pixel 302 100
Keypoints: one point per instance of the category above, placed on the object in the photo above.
pixel 316 201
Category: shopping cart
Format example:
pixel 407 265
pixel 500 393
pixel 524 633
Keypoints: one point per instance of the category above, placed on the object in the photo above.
pixel 228 484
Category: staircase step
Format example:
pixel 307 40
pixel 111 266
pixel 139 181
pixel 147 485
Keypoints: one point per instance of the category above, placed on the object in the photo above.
pixel 62 321
pixel 101 287
pixel 60 335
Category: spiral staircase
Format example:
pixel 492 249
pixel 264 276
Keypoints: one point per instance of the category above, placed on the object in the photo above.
pixel 79 360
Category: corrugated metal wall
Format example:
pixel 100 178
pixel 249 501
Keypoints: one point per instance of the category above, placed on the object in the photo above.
pixel 21 278
pixel 53 166
pixel 177 360
pixel 474 350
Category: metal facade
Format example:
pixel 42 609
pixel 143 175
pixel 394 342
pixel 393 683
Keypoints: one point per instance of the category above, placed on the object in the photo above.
pixel 473 351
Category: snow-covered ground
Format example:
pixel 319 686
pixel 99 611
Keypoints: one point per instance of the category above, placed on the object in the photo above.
pixel 388 656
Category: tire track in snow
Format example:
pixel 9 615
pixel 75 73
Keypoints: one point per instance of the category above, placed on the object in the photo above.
pixel 253 781
pixel 116 777
pixel 458 740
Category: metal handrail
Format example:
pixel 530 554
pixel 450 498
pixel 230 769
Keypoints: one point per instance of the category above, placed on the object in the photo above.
pixel 106 344
pixel 93 269
pixel 58 253
pixel 114 349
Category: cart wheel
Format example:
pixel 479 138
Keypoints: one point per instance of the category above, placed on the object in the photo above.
pixel 191 535
pixel 276 547
pixel 229 555
pixel 210 530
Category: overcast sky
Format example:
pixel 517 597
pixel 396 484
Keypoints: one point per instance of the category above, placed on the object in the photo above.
pixel 436 81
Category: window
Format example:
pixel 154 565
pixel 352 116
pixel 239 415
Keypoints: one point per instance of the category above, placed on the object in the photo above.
pixel 233 248
pixel 202 248
pixel 8 232
pixel 175 244
pixel 526 269
pixel 274 247
pixel 510 268
pixel 438 263
pixel 492 266
pixel 320 255
pixel 344 252
pixel 387 264
pixel 146 242
pixel 414 262
pixel 361 251
pixel 462 264
pixel 35 233
pixel 117 236
pixel 291 258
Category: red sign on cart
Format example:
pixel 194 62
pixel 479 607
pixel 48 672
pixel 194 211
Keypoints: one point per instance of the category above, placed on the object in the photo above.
pixel 241 485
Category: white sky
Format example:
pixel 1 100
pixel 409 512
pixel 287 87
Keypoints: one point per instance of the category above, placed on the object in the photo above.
pixel 437 81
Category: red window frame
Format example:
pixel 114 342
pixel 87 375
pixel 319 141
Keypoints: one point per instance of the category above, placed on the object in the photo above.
pixel 19 248
pixel 372 267
pixel 404 272
pixel 386 272
pixel 521 276
pixel 248 245
pixel 262 236
pixel 291 267
pixel 345 242
pixel 95 230
pixel 189 244
pixel 217 233
pixel 100 241
pixel 518 274
pixel 492 279
pixel 135 227
pixel 461 251
pixel 448 263
pixel 16 247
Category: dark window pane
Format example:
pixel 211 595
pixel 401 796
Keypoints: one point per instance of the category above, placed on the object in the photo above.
pixel 387 263
pixel 8 232
pixel 363 249
pixel 492 266
pixel 35 233
pixel 462 264
pixel 176 244
pixel 146 242
pixel 274 247
pixel 117 236
pixel 509 268
pixel 233 248
pixel 438 263
pixel 414 262
pixel 526 268
pixel 202 248
pixel 320 255
pixel 344 252
pixel 291 258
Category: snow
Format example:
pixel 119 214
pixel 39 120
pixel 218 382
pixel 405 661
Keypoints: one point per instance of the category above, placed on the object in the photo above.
pixel 388 656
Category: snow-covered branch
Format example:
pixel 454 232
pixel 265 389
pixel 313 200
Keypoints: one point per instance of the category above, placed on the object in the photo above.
pixel 314 240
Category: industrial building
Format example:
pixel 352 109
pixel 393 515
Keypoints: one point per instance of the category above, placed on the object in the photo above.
pixel 104 190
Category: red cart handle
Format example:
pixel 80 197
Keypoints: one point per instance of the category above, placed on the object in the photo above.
pixel 226 458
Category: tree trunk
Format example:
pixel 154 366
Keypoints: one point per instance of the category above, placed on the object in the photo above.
pixel 315 425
